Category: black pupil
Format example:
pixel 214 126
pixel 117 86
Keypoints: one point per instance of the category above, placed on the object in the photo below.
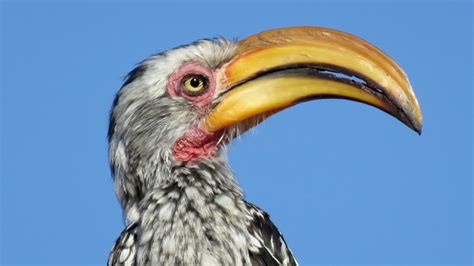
pixel 195 82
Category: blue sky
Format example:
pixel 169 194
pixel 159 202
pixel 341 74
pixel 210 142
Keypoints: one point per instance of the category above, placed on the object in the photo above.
pixel 344 182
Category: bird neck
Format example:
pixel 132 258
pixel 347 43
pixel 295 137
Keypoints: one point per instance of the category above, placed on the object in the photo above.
pixel 206 179
pixel 197 215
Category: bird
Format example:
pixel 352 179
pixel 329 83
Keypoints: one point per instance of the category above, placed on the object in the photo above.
pixel 177 111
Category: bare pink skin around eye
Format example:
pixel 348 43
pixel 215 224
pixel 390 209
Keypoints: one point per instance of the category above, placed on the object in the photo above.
pixel 175 83
pixel 196 143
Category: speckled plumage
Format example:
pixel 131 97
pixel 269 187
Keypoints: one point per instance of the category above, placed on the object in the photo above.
pixel 180 213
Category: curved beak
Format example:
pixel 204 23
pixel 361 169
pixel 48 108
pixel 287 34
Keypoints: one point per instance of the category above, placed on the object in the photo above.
pixel 279 68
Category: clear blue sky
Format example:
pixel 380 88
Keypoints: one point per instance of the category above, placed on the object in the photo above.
pixel 345 183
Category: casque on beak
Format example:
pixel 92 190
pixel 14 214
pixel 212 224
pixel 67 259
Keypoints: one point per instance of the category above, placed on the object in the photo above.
pixel 279 68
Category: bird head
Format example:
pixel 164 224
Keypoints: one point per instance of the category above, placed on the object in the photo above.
pixel 179 107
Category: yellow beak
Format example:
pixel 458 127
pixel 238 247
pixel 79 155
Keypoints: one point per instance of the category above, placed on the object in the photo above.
pixel 279 68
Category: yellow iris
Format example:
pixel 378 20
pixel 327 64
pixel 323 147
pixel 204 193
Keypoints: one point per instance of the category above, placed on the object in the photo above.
pixel 194 84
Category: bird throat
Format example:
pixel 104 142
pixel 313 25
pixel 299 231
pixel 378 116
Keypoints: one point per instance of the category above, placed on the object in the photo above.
pixel 196 144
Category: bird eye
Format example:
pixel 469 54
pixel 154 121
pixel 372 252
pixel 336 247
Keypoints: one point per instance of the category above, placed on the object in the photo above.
pixel 194 84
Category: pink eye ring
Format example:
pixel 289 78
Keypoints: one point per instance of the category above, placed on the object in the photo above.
pixel 193 82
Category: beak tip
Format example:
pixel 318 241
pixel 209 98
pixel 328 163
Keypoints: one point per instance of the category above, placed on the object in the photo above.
pixel 413 122
pixel 413 117
pixel 418 131
pixel 417 126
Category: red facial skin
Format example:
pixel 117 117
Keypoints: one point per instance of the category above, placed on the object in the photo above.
pixel 196 143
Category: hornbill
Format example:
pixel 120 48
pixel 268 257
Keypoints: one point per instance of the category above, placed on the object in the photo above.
pixel 178 109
